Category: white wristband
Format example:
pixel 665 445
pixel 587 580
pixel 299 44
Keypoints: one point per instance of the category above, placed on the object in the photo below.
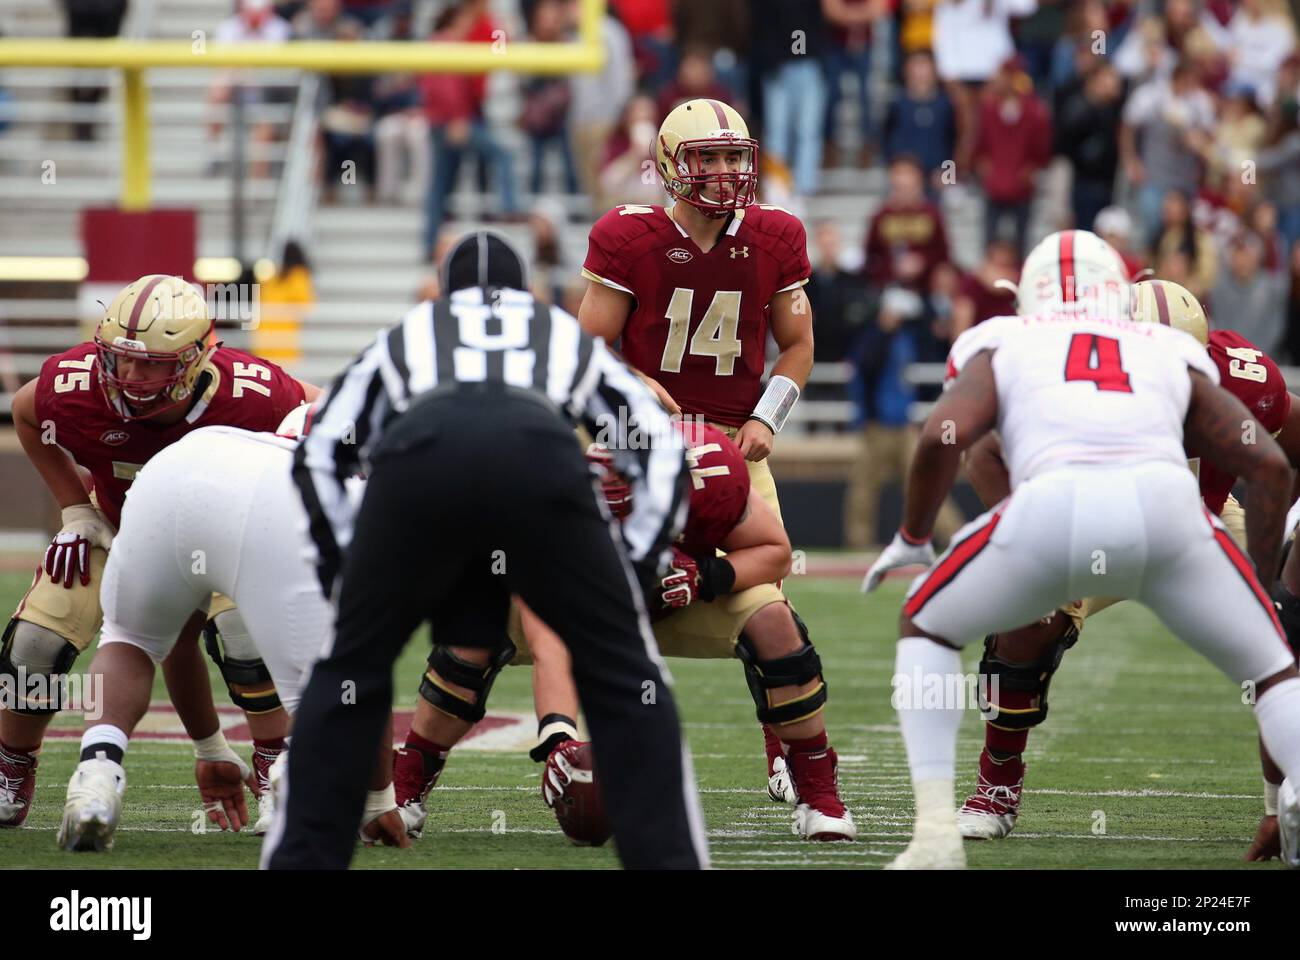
pixel 379 801
pixel 1270 798
pixel 212 748
pixel 776 403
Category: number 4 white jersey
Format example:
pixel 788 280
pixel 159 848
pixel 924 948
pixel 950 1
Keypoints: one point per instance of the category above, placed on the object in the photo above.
pixel 1080 390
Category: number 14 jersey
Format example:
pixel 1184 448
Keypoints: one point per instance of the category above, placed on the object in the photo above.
pixel 1081 390
pixel 700 321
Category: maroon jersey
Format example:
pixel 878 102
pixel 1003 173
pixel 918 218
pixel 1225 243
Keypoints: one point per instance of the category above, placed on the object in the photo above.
pixel 1255 380
pixel 237 390
pixel 699 326
pixel 719 488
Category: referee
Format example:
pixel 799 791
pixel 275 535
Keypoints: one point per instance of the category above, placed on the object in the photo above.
pixel 462 417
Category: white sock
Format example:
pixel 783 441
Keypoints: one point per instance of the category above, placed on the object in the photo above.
pixel 929 731
pixel 1278 713
pixel 104 733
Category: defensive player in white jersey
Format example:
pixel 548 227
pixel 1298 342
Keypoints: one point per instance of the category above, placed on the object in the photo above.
pixel 215 511
pixel 1093 411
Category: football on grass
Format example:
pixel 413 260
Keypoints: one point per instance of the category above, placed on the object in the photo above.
pixel 581 811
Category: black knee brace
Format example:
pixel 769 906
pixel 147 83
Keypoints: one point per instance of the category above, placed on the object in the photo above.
pixel 1287 605
pixel 446 666
pixel 53 657
pixel 792 670
pixel 246 673
pixel 999 676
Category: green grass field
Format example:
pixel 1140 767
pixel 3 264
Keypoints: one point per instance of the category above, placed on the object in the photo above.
pixel 1147 761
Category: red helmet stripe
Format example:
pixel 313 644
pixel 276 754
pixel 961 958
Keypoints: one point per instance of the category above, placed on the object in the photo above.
pixel 138 307
pixel 723 123
pixel 1162 303
pixel 1067 266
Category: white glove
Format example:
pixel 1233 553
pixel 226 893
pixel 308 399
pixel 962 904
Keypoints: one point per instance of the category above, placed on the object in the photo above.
pixel 68 555
pixel 899 553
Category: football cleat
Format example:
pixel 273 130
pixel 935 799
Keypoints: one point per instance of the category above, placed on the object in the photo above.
pixel 936 845
pixel 820 814
pixel 1288 821
pixel 263 760
pixel 414 775
pixel 990 813
pixel 93 807
pixel 17 784
pixel 780 784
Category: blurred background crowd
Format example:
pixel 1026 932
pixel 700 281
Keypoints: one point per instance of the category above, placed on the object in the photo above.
pixel 974 127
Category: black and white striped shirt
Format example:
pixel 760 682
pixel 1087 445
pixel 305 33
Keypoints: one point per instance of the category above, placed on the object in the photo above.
pixel 510 339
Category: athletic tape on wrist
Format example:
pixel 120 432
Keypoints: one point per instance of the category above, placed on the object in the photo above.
pixel 776 403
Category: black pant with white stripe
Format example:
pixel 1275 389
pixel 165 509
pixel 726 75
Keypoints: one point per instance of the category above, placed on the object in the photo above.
pixel 456 479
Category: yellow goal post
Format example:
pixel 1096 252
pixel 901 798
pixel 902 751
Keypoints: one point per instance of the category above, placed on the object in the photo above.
pixel 133 57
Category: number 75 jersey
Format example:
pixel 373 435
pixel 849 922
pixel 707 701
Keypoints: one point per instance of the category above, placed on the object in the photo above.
pixel 700 321
pixel 236 389
pixel 1084 390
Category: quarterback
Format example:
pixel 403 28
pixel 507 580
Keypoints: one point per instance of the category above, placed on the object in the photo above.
pixel 700 610
pixel 691 291
pixel 95 415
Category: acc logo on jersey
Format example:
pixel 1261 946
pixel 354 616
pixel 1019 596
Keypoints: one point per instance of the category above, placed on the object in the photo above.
pixel 679 255
pixel 115 438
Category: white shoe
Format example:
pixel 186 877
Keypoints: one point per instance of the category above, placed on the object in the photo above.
pixel 265 813
pixel 414 815
pixel 934 846
pixel 982 825
pixel 780 785
pixel 811 824
pixel 1288 822
pixel 94 805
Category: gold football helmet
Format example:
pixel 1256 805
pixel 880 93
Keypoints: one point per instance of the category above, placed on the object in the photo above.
pixel 156 320
pixel 687 133
pixel 1163 301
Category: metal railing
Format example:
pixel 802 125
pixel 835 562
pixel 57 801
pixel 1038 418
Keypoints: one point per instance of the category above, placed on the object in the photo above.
pixel 296 203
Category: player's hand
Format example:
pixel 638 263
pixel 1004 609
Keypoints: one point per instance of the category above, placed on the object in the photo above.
pixel 665 400
pixel 682 584
pixel 1267 844
pixel 382 822
pixel 558 773
pixel 68 556
pixel 898 554
pixel 221 788
pixel 755 440
pixel 618 492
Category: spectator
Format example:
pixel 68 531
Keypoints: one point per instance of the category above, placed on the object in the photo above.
pixel 1249 299
pixel 348 124
pixel 794 89
pixel 720 27
pixel 253 23
pixel 921 120
pixel 1278 165
pixel 1086 121
pixel 650 25
pixel 401 140
pixel 599 98
pixel 1013 144
pixel 1166 123
pixel 1262 222
pixel 1036 34
pixel 914 30
pixel 1180 233
pixel 552 276
pixel 91 18
pixel 972 38
pixel 987 291
pixel 371 13
pixel 285 300
pixel 836 294
pixel 1261 35
pixel 1115 226
pixel 545 117
pixel 627 174
pixel 1238 135
pixel 1293 305
pixel 848 50
pixel 453 105
pixel 695 79
pixel 906 239
pixel 324 20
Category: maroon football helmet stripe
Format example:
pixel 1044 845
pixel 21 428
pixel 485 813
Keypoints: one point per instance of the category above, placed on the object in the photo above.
pixel 138 306
pixel 1162 302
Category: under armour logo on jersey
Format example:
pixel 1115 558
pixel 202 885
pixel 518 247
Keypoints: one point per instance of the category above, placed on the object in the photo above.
pixel 739 252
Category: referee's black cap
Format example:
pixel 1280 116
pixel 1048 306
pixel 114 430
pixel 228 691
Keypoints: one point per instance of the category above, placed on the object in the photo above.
pixel 483 258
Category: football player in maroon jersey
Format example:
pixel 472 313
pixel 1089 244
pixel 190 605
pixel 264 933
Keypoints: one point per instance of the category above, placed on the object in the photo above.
pixel 92 418
pixel 1025 659
pixel 690 292
pixel 700 610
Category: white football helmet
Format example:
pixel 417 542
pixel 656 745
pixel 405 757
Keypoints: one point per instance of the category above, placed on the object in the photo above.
pixel 1073 270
